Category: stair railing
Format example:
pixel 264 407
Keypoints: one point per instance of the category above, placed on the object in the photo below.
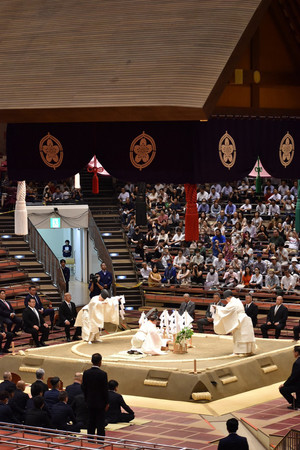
pixel 45 256
pixel 290 441
pixel 100 247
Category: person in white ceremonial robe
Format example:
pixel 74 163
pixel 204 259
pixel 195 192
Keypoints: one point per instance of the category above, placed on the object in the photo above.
pixel 92 318
pixel 233 319
pixel 147 339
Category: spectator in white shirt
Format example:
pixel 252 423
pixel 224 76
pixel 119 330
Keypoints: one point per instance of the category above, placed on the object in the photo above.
pixel 283 188
pixel 256 279
pixel 246 206
pixel 243 186
pixel 219 264
pixel 273 208
pixel 214 195
pixel 217 187
pixel 261 208
pixel 202 195
pixel 288 281
pixel 226 191
pixel 145 271
pixel 275 196
pixel 123 195
pixel 179 259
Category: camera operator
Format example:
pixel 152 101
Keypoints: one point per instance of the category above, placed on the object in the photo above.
pixel 94 285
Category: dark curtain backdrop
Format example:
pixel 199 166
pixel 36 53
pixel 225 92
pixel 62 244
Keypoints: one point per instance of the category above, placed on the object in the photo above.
pixel 186 152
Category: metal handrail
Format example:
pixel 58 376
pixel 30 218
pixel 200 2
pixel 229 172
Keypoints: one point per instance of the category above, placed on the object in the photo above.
pixel 100 247
pixel 80 440
pixel 45 255
pixel 291 441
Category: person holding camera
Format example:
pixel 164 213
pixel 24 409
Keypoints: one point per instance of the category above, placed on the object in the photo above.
pixel 94 285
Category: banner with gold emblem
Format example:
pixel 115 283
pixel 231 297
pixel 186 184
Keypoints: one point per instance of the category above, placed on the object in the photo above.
pixel 222 149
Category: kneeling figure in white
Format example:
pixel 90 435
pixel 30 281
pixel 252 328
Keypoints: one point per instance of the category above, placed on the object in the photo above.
pixel 233 319
pixel 148 339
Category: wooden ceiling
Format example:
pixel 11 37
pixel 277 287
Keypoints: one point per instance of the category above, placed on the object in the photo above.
pixel 120 60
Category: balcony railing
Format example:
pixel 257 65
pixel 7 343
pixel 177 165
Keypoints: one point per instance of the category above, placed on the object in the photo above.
pixel 290 442
pixel 45 255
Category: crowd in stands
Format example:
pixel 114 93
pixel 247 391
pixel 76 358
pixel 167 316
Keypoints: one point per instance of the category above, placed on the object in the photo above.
pixel 246 240
pixel 54 407
pixel 54 192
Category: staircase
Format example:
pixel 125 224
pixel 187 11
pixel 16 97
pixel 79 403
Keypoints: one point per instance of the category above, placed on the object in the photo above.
pixel 18 250
pixel 105 209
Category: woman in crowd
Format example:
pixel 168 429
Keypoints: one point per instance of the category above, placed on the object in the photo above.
pixel 184 275
pixel 154 277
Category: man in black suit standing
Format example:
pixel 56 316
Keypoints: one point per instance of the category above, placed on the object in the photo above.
pixel 67 317
pixel 34 323
pixel 7 315
pixel 95 389
pixel 66 272
pixel 233 441
pixel 277 317
pixel 39 305
pixel 74 389
pixel 251 309
pixel 292 384
pixel 187 305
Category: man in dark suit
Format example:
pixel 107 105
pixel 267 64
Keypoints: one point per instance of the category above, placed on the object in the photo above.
pixel 6 414
pixel 251 309
pixel 67 317
pixel 277 317
pixel 208 315
pixel 7 385
pixel 80 409
pixel 37 416
pixel 62 414
pixel 116 402
pixel 296 331
pixel 39 305
pixel 233 441
pixel 5 335
pixel 34 323
pixel 94 386
pixel 18 401
pixel 40 373
pixel 66 272
pixel 7 315
pixel 51 396
pixel 292 384
pixel 187 306
pixel 75 388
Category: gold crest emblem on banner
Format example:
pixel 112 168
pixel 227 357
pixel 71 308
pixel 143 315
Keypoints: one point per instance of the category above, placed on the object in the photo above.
pixel 286 149
pixel 142 151
pixel 227 151
pixel 51 151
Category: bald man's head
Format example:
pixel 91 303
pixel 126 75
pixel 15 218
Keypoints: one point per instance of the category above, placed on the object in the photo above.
pixel 21 385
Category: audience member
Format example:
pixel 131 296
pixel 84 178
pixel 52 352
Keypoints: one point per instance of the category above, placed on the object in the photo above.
pixel 187 305
pixel 67 317
pixel 233 441
pixel 251 309
pixel 37 416
pixel 292 384
pixel 51 396
pixel 105 278
pixel 6 414
pixel 276 319
pixel 7 384
pixel 8 336
pixel 74 389
pixel 40 373
pixel 62 414
pixel 116 402
pixel 39 306
pixel 208 315
pixel 19 401
pixel 34 323
pixel 8 317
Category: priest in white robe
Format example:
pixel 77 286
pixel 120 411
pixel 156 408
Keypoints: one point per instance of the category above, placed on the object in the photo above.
pixel 147 339
pixel 91 318
pixel 233 319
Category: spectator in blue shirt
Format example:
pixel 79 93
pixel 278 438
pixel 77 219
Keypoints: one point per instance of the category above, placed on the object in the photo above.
pixel 230 208
pixel 218 242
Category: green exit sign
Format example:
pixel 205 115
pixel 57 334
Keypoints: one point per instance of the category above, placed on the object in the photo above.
pixel 54 222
